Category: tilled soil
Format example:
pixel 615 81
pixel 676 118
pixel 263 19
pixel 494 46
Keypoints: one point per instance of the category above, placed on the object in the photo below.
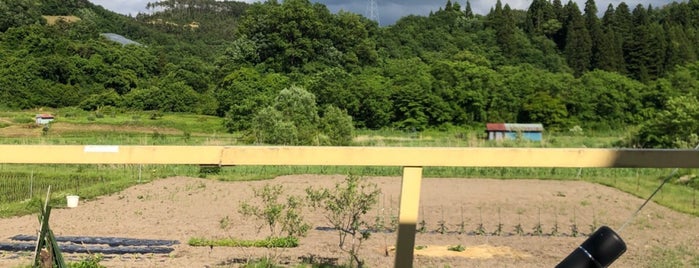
pixel 454 212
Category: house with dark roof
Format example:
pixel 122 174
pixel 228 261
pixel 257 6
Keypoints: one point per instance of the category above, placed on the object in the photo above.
pixel 511 131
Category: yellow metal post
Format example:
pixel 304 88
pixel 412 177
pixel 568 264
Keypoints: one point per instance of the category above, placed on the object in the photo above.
pixel 407 219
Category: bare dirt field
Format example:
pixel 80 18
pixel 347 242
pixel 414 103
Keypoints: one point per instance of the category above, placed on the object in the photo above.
pixel 180 208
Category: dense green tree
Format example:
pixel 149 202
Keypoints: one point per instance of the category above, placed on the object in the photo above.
pixel 615 99
pixel 578 47
pixel 299 107
pixel 167 96
pixel 14 13
pixel 268 126
pixel 505 28
pixel 95 102
pixel 243 93
pixel 294 33
pixel 375 107
pixel 685 79
pixel 610 55
pixel 337 125
pixel 647 49
pixel 468 12
pixel 679 46
pixel 676 126
pixel 451 67
pixel 542 107
pixel 594 28
pixel 539 14
pixel 561 15
pixel 293 119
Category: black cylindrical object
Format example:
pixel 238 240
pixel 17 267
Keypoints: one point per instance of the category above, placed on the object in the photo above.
pixel 600 250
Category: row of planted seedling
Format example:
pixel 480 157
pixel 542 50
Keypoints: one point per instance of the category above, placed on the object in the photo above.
pixel 388 222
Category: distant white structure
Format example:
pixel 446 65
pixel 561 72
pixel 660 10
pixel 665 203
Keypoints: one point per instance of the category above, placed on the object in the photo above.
pixel 43 119
pixel 120 39
pixel 373 11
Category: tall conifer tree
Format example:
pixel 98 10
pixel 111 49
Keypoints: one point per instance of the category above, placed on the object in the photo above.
pixel 578 47
pixel 594 28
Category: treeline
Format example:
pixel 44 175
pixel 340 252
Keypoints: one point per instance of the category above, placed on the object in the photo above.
pixel 553 63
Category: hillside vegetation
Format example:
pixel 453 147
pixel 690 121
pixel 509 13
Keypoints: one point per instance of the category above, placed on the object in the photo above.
pixel 557 64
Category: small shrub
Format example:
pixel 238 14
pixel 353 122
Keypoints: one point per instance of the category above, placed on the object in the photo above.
pixel 209 170
pixel 457 248
pixel 157 135
pixel 279 217
pixel 480 230
pixel 554 230
pixel 225 223
pixel 69 112
pixel 422 226
pixel 261 263
pixel 23 120
pixel 108 110
pixel 90 118
pixel 462 225
pixel 155 115
pixel 346 207
pixel 92 261
pixel 442 227
pixel 518 229
pixel 500 226
pixel 538 230
pixel 574 232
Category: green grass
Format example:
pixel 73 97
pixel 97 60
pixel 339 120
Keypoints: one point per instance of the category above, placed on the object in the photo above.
pixel 22 187
pixel 90 181
pixel 680 256
pixel 271 242
pixel 19 184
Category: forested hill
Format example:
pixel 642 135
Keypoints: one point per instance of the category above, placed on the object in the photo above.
pixel 555 63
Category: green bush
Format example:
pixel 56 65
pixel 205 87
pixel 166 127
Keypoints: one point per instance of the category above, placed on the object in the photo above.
pixel 92 261
pixel 457 248
pixel 23 120
pixel 270 242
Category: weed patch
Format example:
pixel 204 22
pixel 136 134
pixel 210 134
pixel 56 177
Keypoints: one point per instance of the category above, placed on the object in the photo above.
pixel 270 242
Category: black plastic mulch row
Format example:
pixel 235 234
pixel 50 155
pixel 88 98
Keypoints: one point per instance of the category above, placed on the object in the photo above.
pixel 89 249
pixel 111 241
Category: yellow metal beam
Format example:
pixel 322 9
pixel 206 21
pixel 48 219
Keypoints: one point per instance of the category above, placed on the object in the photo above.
pixel 348 156
pixel 407 216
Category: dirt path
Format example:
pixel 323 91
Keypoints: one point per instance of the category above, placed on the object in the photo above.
pixel 181 208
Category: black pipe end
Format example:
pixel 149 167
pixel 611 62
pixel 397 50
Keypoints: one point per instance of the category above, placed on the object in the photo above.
pixel 600 250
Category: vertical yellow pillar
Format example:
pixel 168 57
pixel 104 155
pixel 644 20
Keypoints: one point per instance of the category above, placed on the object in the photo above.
pixel 407 218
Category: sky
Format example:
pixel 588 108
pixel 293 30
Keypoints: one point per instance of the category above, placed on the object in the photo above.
pixel 390 10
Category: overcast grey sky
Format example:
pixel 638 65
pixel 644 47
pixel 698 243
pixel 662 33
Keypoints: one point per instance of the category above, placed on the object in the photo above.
pixel 389 10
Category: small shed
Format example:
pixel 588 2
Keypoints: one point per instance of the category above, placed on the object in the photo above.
pixel 510 131
pixel 43 119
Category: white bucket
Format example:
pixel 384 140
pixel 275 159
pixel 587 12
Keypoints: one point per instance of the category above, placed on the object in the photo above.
pixel 72 200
